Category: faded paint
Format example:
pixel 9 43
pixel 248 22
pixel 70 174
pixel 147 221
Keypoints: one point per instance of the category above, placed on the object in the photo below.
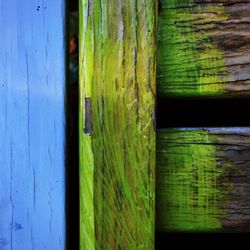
pixel 197 185
pixel 188 198
pixel 189 62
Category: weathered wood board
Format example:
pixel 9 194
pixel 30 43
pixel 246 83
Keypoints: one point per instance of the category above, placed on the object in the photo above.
pixel 32 125
pixel 117 134
pixel 203 180
pixel 204 48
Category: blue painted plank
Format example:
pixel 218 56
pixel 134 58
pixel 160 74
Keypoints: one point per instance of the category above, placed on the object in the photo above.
pixel 32 124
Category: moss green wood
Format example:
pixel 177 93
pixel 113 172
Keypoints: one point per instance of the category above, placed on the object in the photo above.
pixel 203 48
pixel 117 134
pixel 203 180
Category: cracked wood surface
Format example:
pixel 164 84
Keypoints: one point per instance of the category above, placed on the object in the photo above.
pixel 117 166
pixel 203 180
pixel 32 81
pixel 204 48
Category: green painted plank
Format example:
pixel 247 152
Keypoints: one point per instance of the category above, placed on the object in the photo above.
pixel 117 134
pixel 203 180
pixel 203 48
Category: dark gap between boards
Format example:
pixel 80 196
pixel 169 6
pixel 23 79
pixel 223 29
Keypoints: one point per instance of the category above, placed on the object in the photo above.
pixel 72 137
pixel 201 112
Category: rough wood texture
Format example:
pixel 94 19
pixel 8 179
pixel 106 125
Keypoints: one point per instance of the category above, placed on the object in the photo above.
pixel 117 148
pixel 204 48
pixel 32 125
pixel 203 180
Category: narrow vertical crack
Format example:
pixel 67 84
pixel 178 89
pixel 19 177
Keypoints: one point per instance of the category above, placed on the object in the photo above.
pixel 28 104
pixel 11 189
pixel 28 127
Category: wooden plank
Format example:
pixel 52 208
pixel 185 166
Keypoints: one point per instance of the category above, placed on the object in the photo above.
pixel 32 120
pixel 117 135
pixel 204 48
pixel 203 180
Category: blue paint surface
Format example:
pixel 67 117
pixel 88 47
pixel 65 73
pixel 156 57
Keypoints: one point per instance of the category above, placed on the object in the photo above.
pixel 32 125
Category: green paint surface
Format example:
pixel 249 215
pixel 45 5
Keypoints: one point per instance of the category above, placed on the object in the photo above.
pixel 189 62
pixel 188 197
pixel 117 159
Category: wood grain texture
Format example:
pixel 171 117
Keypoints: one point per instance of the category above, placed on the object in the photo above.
pixel 32 125
pixel 204 48
pixel 117 155
pixel 203 180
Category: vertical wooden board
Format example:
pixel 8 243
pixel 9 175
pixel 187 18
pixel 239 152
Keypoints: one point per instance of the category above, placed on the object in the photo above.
pixel 117 134
pixel 32 120
pixel 203 180
pixel 204 48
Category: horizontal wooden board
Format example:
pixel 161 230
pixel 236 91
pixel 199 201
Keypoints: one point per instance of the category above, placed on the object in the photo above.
pixel 204 48
pixel 203 180
pixel 32 125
